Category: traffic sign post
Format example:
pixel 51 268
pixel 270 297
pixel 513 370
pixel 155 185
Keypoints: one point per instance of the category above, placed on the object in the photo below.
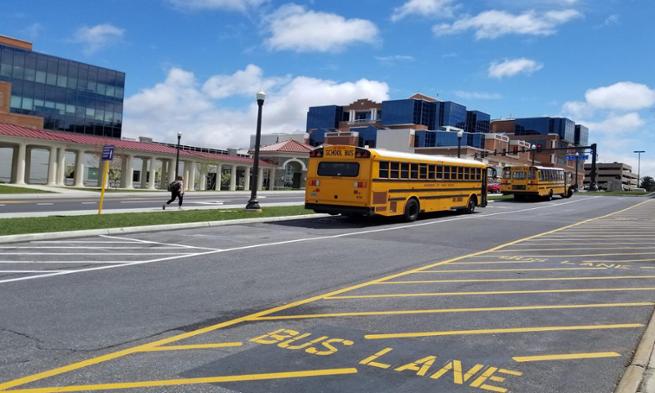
pixel 107 155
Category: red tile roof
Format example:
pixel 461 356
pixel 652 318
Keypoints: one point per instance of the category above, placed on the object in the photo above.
pixel 99 141
pixel 288 146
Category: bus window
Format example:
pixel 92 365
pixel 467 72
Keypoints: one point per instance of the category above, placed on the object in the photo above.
pixel 507 173
pixel 404 170
pixel 431 172
pixel 439 172
pixel 345 169
pixel 395 170
pixel 518 175
pixel 414 171
pixel 446 172
pixel 423 171
pixel 467 173
pixel 384 169
pixel 532 173
pixel 460 173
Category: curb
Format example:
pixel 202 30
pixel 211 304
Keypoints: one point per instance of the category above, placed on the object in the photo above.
pixel 148 228
pixel 634 373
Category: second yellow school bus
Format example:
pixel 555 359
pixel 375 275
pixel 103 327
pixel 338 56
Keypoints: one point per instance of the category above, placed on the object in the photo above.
pixel 355 181
pixel 536 181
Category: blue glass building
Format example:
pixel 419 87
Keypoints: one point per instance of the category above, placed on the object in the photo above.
pixel 562 126
pixel 69 95
pixel 410 112
pixel 324 117
pixel 477 121
pixel 447 139
pixel 581 135
pixel 452 114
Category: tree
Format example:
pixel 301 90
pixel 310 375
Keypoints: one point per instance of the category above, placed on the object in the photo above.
pixel 648 183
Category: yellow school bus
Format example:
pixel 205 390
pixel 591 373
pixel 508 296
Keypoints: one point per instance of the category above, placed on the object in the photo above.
pixel 355 181
pixel 536 181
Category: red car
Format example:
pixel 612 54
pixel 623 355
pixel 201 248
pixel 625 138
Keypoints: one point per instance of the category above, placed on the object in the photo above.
pixel 493 188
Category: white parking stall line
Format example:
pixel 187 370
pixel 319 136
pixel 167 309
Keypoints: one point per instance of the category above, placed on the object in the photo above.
pixel 96 253
pixel 44 204
pixel 82 241
pixel 31 271
pixel 89 203
pixel 154 242
pixel 65 262
pixel 278 243
pixel 88 248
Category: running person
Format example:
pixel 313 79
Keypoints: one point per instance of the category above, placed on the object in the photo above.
pixel 177 191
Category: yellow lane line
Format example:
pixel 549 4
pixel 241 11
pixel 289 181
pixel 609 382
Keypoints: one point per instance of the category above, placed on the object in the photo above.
pixel 193 346
pixel 191 381
pixel 570 249
pixel 566 356
pixel 495 262
pixel 555 269
pixel 623 260
pixel 532 329
pixel 452 310
pixel 485 280
pixel 578 255
pixel 564 242
pixel 434 294
pixel 254 316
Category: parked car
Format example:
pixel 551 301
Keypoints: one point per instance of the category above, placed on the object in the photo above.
pixel 493 188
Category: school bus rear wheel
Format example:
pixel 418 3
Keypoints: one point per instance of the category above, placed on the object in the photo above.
pixel 412 208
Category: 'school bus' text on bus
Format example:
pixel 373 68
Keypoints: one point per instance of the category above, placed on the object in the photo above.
pixel 536 181
pixel 362 182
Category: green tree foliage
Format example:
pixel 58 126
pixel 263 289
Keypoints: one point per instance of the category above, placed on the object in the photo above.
pixel 648 183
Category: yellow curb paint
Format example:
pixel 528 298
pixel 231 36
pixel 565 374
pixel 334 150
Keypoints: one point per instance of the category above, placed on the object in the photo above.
pixel 566 356
pixel 513 270
pixel 452 310
pixel 536 329
pixel 191 381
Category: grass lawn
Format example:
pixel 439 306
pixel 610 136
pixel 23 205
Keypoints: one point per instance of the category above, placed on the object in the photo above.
pixel 20 190
pixel 14 226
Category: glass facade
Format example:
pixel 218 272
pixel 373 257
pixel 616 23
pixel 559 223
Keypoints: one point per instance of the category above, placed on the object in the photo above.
pixel 447 139
pixel 561 126
pixel 69 95
pixel 581 135
pixel 410 111
pixel 367 135
pixel 477 121
pixel 452 114
pixel 324 117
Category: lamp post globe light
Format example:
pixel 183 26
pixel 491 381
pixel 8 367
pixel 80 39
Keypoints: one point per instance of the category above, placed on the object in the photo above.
pixel 460 134
pixel 177 155
pixel 534 152
pixel 253 203
pixel 638 153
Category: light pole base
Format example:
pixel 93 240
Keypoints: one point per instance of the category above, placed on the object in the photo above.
pixel 253 206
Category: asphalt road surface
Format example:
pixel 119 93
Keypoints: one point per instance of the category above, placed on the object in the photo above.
pixel 136 201
pixel 519 297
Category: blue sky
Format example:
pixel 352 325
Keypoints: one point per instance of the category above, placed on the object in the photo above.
pixel 194 65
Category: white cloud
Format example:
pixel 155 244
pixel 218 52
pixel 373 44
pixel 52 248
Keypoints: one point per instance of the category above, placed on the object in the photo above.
pixel 431 8
pixel 512 67
pixel 97 37
pixel 182 103
pixel 617 124
pixel 293 27
pixel 244 82
pixel 477 95
pixel 627 96
pixel 494 23
pixel 228 5
pixel 393 59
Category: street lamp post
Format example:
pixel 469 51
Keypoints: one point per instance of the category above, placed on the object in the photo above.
pixel 460 134
pixel 177 155
pixel 534 152
pixel 253 203
pixel 577 157
pixel 638 152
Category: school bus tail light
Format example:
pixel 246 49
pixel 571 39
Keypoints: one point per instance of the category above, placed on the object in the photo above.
pixel 314 183
pixel 316 153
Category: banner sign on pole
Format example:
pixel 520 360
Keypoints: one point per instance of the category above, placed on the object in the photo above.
pixel 108 152
pixel 582 157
